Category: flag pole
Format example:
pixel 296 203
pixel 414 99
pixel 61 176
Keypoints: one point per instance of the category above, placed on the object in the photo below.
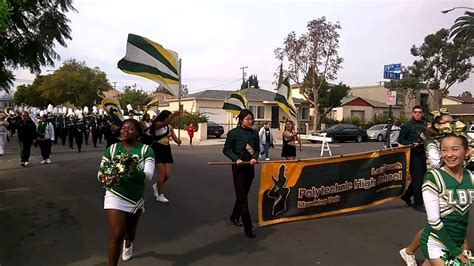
pixel 179 99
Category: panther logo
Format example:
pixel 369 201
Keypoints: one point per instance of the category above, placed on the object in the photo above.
pixel 279 192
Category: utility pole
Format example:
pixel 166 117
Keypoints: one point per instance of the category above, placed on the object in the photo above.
pixel 243 73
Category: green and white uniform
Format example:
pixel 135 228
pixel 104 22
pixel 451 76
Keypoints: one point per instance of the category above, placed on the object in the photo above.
pixel 128 195
pixel 447 204
pixel 433 154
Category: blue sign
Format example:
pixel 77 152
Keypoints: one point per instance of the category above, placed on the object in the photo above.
pixel 392 67
pixel 391 75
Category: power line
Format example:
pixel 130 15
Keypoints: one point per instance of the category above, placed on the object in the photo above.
pixel 219 85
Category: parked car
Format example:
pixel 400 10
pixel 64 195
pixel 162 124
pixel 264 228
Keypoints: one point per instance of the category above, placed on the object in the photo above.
pixel 213 129
pixel 377 132
pixel 343 132
pixel 470 131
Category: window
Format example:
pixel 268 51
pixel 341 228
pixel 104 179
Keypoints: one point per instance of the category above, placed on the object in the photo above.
pixel 260 112
pixel 304 113
pixel 332 115
pixel 253 109
pixel 386 114
pixel 359 114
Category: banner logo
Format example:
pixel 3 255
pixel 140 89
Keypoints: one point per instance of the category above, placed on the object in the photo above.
pixel 279 192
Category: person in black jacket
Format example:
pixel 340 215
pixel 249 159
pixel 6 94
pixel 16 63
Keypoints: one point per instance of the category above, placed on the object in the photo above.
pixel 242 147
pixel 26 134
pixel 410 134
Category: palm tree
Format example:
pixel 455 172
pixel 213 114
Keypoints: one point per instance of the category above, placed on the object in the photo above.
pixel 463 28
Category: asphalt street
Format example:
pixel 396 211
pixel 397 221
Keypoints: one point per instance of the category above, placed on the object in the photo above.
pixel 53 215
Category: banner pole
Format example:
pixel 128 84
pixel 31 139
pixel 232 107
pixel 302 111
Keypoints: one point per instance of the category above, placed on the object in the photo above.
pixel 179 99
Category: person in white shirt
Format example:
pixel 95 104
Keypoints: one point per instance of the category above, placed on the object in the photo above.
pixel 266 139
pixel 45 131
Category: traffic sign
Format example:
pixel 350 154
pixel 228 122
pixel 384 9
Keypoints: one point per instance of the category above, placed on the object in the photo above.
pixel 391 97
pixel 392 68
pixel 391 75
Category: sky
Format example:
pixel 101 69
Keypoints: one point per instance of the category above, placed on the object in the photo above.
pixel 215 39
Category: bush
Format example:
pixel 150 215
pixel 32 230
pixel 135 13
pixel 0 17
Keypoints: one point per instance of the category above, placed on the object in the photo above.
pixel 377 119
pixel 187 118
pixel 352 120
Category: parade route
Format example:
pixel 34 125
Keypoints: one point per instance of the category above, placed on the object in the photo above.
pixel 52 214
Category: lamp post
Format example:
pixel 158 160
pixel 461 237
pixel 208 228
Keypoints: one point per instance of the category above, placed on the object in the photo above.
pixel 447 10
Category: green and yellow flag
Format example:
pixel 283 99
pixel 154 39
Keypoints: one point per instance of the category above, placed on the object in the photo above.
pixel 285 101
pixel 150 60
pixel 236 102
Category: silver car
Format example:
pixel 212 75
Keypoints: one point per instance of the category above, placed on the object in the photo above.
pixel 377 132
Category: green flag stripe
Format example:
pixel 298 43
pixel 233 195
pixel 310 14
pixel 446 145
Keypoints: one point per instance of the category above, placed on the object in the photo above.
pixel 141 43
pixel 137 67
pixel 238 97
pixel 229 106
pixel 280 98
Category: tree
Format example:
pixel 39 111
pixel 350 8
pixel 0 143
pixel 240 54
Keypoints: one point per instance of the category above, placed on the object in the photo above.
pixel 75 83
pixel 313 54
pixel 30 95
pixel 5 12
pixel 441 63
pixel 463 28
pixel 465 94
pixel 33 29
pixel 407 87
pixel 251 82
pixel 330 96
pixel 135 97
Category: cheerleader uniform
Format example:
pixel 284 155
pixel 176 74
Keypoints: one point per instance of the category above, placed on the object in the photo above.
pixel 289 147
pixel 128 195
pixel 161 145
pixel 447 203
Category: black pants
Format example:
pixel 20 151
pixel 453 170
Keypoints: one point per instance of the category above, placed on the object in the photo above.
pixel 86 136
pixel 70 135
pixel 45 147
pixel 25 148
pixel 79 138
pixel 417 172
pixel 243 177
pixel 95 137
pixel 63 135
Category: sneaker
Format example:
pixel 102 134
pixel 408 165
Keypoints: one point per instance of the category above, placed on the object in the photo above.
pixel 409 259
pixel 27 163
pixel 23 164
pixel 161 198
pixel 267 159
pixel 48 161
pixel 43 162
pixel 127 252
pixel 155 190
pixel 259 155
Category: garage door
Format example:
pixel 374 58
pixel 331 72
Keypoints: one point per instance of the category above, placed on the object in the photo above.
pixel 217 115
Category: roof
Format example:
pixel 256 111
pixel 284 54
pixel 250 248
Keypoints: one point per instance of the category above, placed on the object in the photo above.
pixel 112 93
pixel 372 103
pixel 460 109
pixel 162 96
pixel 252 94
pixel 465 99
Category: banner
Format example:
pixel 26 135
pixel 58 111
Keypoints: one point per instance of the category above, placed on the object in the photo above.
pixel 312 188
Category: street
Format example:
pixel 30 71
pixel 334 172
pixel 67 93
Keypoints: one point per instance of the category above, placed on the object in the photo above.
pixel 53 215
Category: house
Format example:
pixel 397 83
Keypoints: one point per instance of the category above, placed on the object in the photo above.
pixel 362 102
pixel 362 108
pixel 261 102
pixel 460 107
pixel 6 100
pixel 112 93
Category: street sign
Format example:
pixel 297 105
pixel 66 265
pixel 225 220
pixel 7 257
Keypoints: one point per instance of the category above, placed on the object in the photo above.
pixel 392 68
pixel 391 75
pixel 391 97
